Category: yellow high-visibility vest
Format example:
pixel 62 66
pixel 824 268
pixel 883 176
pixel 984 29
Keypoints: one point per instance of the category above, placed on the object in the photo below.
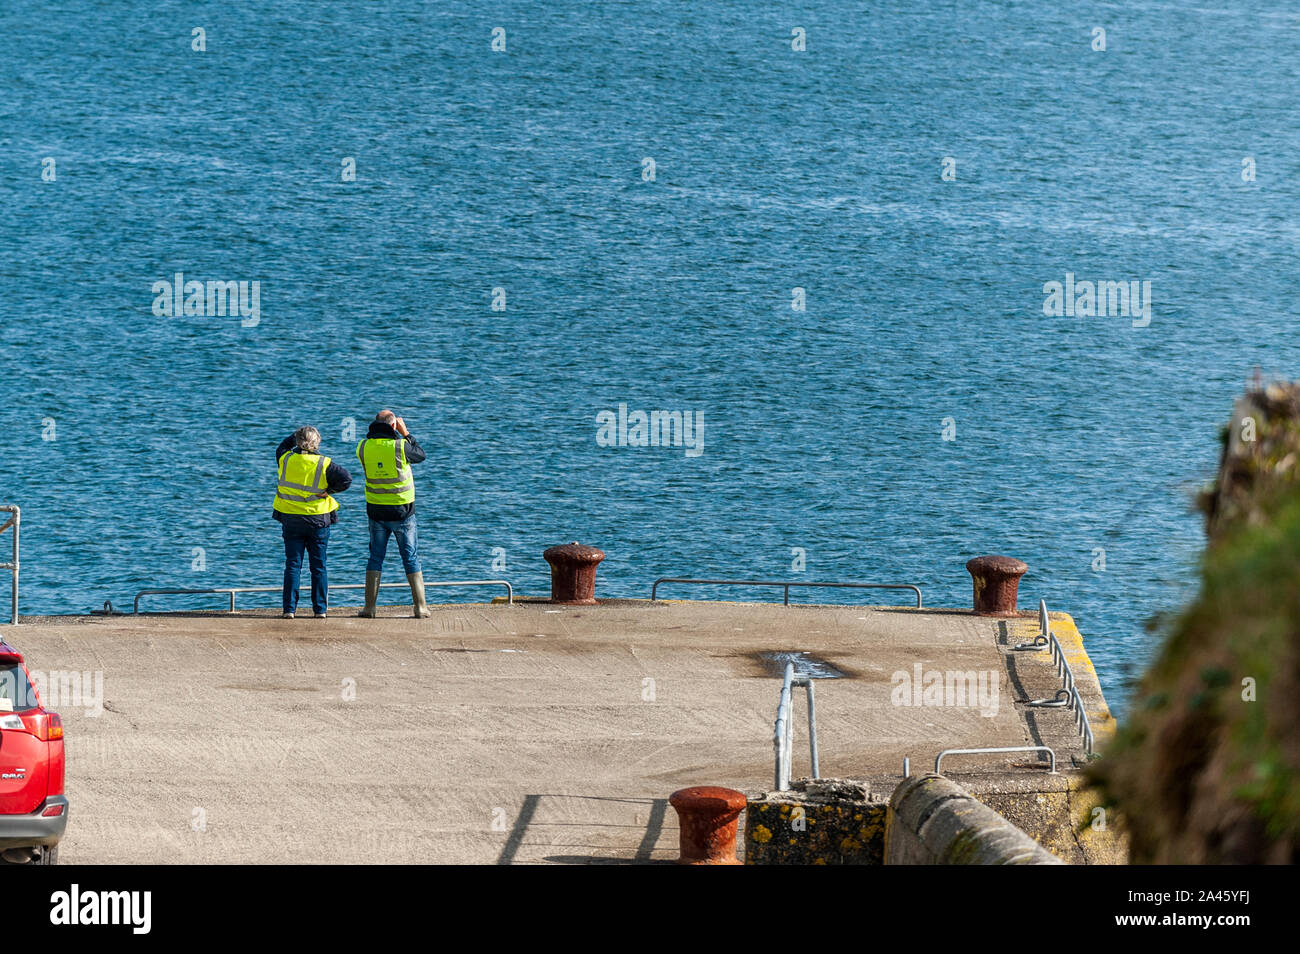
pixel 302 488
pixel 388 475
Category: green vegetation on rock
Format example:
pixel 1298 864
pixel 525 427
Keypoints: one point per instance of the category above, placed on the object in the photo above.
pixel 1207 768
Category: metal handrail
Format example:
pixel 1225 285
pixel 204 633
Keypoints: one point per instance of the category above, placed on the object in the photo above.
pixel 1081 723
pixel 787 584
pixel 15 521
pixel 1051 755
pixel 1046 639
pixel 1061 700
pixel 1044 630
pixel 783 733
pixel 232 590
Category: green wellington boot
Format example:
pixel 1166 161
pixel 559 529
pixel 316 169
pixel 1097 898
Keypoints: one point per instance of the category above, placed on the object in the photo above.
pixel 372 594
pixel 419 608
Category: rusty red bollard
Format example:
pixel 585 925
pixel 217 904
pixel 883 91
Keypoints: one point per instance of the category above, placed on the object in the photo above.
pixel 573 573
pixel 707 815
pixel 997 581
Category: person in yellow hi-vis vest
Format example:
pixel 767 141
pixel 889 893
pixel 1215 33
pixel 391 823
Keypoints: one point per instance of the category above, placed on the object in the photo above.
pixel 305 506
pixel 386 455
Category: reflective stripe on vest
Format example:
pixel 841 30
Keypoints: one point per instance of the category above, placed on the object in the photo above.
pixel 388 476
pixel 301 487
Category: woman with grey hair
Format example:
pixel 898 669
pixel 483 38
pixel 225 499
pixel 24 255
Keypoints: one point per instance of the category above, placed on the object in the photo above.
pixel 304 504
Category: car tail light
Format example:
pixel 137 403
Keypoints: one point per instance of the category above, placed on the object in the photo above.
pixel 54 811
pixel 46 726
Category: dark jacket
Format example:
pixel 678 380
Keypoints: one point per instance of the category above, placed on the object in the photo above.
pixel 414 455
pixel 337 480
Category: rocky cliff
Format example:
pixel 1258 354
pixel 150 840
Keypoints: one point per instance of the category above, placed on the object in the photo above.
pixel 1207 767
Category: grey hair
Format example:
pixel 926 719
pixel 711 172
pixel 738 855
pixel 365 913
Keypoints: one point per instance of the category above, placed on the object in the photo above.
pixel 307 439
pixel 386 417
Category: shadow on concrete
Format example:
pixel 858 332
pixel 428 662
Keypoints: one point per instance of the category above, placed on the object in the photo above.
pixel 644 851
pixel 654 828
pixel 525 817
pixel 604 860
pixel 1019 690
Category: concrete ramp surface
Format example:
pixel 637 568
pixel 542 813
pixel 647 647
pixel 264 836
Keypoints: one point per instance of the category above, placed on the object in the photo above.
pixel 486 734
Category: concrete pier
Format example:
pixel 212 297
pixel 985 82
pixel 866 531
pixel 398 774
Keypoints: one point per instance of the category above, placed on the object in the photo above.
pixel 501 734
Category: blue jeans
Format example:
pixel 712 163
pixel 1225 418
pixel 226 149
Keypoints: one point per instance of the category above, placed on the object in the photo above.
pixel 404 531
pixel 313 541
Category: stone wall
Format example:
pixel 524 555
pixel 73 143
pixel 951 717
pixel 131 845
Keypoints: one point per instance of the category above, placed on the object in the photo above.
pixel 824 822
pixel 934 821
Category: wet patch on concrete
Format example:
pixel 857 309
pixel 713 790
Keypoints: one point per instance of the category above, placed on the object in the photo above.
pixel 805 664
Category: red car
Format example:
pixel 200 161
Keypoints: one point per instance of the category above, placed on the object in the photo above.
pixel 33 808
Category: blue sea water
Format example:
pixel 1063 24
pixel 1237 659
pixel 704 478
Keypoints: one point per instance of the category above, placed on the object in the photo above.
pixel 523 170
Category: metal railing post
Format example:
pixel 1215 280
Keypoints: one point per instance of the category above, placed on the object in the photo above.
pixel 783 731
pixel 230 591
pixel 812 731
pixel 14 522
pixel 1051 755
pixel 789 743
pixel 780 737
pixel 13 609
pixel 785 585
